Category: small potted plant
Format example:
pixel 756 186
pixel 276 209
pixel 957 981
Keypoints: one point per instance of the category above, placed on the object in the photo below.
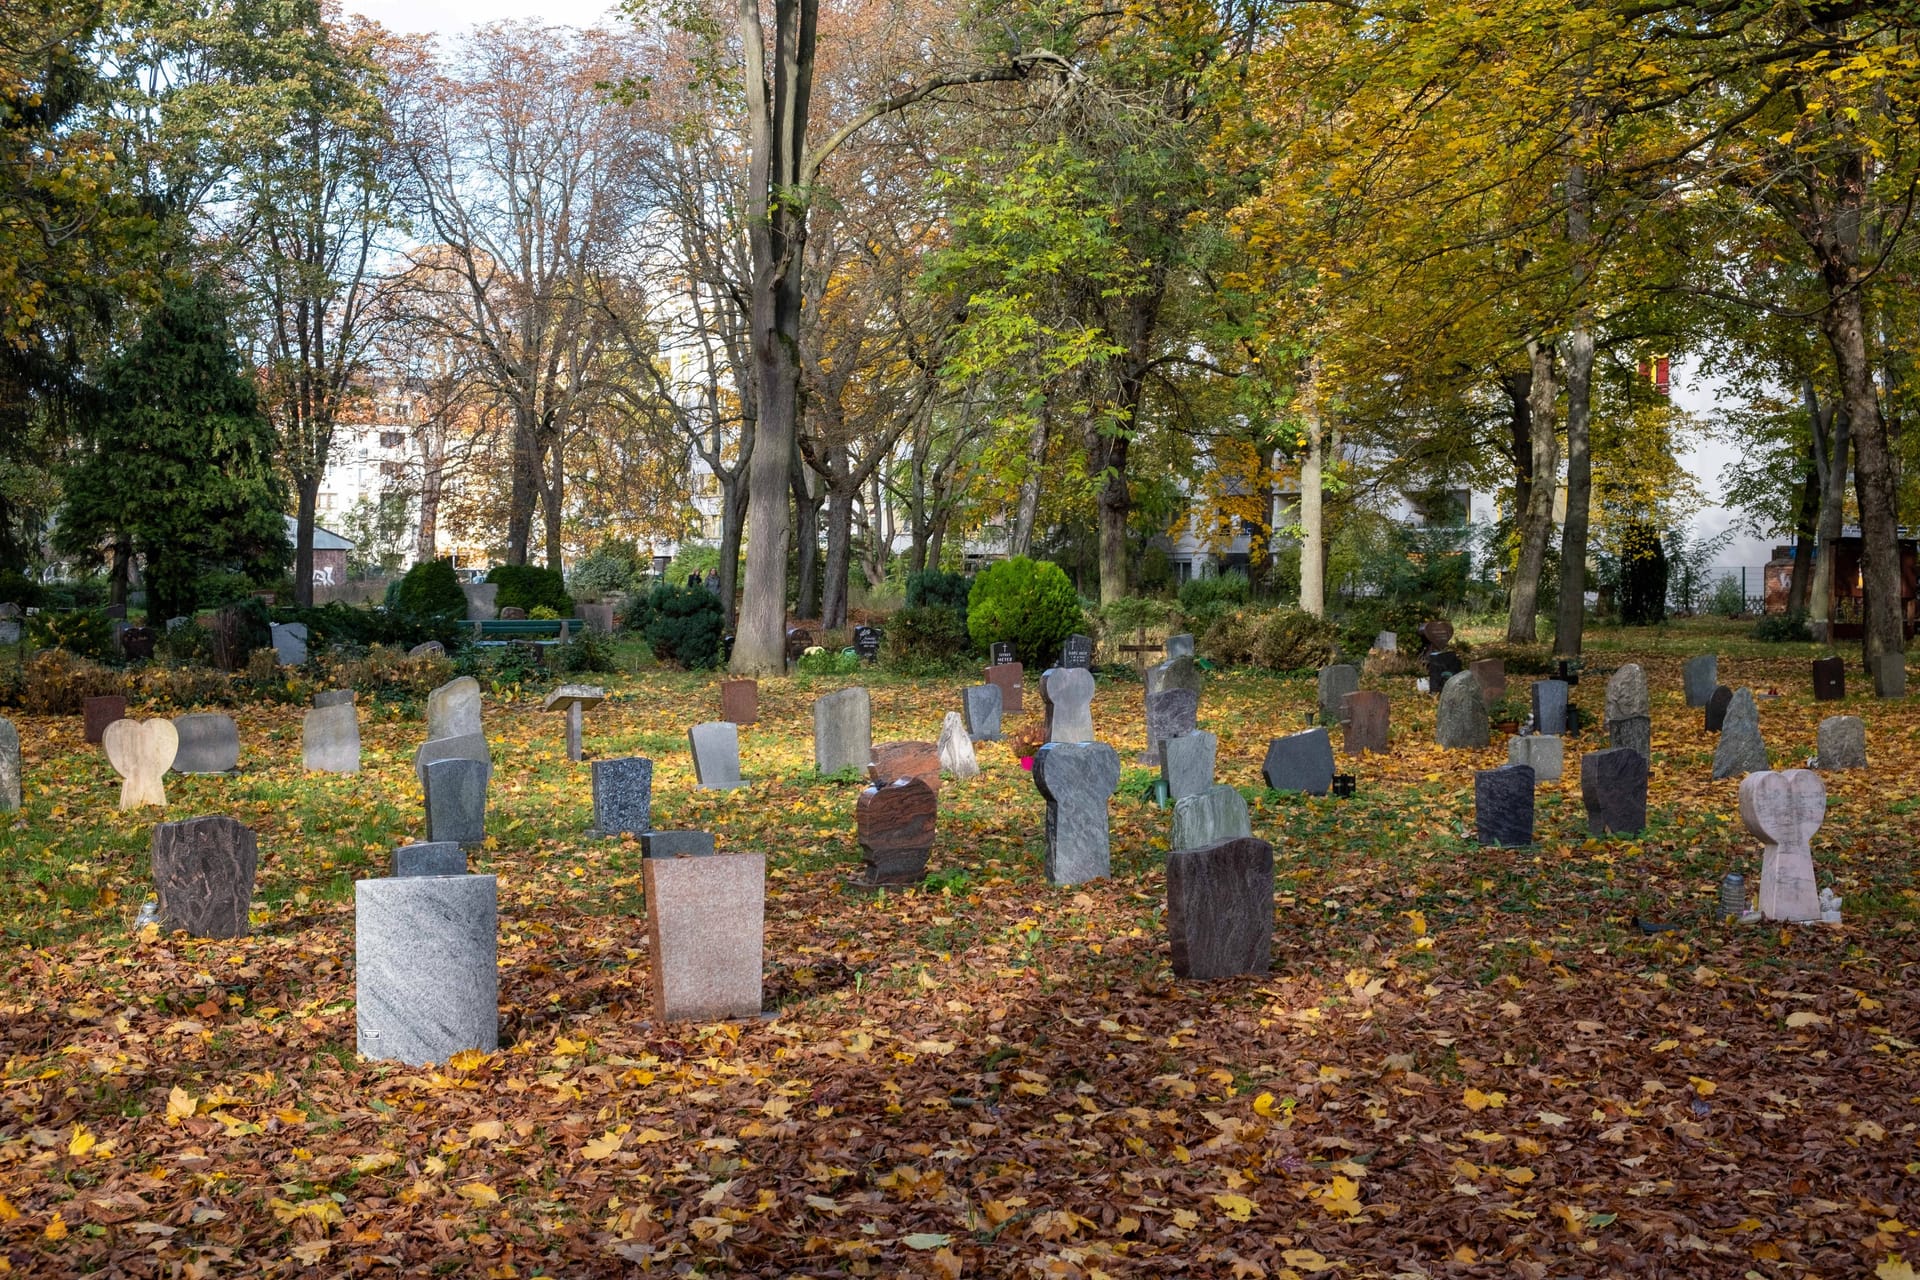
pixel 1026 741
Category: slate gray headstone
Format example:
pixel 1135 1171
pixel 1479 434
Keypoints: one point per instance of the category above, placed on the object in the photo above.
pixel 1699 677
pixel 1216 814
pixel 1068 694
pixel 1175 673
pixel 1010 679
pixel 1829 679
pixel 1220 909
pixel 482 600
pixel 1180 646
pixel 457 801
pixel 1170 713
pixel 1627 693
pixel 9 631
pixel 466 746
pixel 706 931
pixel 956 748
pixel 1716 712
pixel 10 797
pixel 453 710
pixel 330 739
pixel 1549 702
pixel 1741 749
pixel 1077 779
pixel 894 825
pixel 622 796
pixel 1503 805
pixel 209 743
pixel 290 642
pixel 843 731
pixel 982 704
pixel 1300 762
pixel 1544 753
pixel 1187 763
pixel 203 872
pixel 1842 743
pixel 1634 732
pixel 430 858
pixel 426 967
pixel 1366 722
pixel 1077 652
pixel 1613 787
pixel 334 698
pixel 716 755
pixel 1889 671
pixel 1462 717
pixel 1335 683
pixel 677 844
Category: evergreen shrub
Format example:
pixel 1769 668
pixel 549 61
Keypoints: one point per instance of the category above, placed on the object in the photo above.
pixel 1030 604
pixel 683 625
pixel 529 587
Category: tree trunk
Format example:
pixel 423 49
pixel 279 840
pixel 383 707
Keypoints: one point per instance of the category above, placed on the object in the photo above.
pixel 306 506
pixel 1571 621
pixel 833 602
pixel 426 542
pixel 520 497
pixel 1114 504
pixel 554 500
pixel 120 574
pixel 806 531
pixel 1809 511
pixel 1833 496
pixel 733 522
pixel 1520 436
pixel 1313 546
pixel 1027 509
pixel 1885 631
pixel 1536 522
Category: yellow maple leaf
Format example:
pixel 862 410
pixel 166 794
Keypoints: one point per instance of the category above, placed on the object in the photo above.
pixel 482 1195
pixel 1238 1208
pixel 83 1141
pixel 486 1131
pixel 1341 1196
pixel 1478 1101
pixel 603 1146
pixel 1309 1260
pixel 1417 921
pixel 467 1059
pixel 180 1105
pixel 57 1229
pixel 1895 1268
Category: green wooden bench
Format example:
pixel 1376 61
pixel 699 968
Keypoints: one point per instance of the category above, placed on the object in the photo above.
pixel 560 629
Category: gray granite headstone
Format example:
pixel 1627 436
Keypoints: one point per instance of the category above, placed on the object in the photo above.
pixel 622 796
pixel 1175 673
pixel 1889 671
pixel 334 698
pixel 1842 743
pixel 466 746
pixel 1700 675
pixel 209 743
pixel 981 704
pixel 1220 909
pixel 10 798
pixel 1077 779
pixel 1627 693
pixel 426 967
pixel 1068 694
pixel 1218 813
pixel 453 710
pixel 1300 762
pixel 1336 682
pixel 1187 763
pixel 1716 712
pixel 677 844
pixel 9 631
pixel 203 872
pixel 1462 717
pixel 1503 805
pixel 1170 713
pixel 1613 787
pixel 457 801
pixel 1549 702
pixel 1544 753
pixel 716 755
pixel 330 739
pixel 434 858
pixel 290 642
pixel 843 731
pixel 1741 749
pixel 1387 642
pixel 1365 716
pixel 1633 732
pixel 1180 646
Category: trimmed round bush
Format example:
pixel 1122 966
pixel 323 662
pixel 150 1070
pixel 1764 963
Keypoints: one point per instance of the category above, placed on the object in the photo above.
pixel 926 637
pixel 529 587
pixel 683 625
pixel 1030 604
pixel 430 589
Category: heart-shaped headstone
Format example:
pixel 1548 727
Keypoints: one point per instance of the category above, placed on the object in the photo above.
pixel 1785 809
pixel 141 751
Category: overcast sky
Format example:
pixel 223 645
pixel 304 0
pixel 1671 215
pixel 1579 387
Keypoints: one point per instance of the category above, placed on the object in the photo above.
pixel 448 17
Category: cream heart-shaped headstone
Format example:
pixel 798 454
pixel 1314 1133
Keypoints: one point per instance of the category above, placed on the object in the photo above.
pixel 141 751
pixel 1785 809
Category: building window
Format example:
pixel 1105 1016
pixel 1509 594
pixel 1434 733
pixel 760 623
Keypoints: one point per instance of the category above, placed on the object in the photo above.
pixel 326 502
pixel 392 439
pixel 393 471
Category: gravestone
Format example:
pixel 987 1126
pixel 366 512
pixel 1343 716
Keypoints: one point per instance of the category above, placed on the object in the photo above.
pixel 1442 667
pixel 426 982
pixel 1180 646
pixel 1548 699
pixel 1335 683
pixel 1613 787
pixel 10 797
pixel 203 872
pixel 141 752
pixel 1365 729
pixel 956 749
pixel 1077 652
pixel 1629 710
pixel 1503 805
pixel 1544 753
pixel 98 713
pixel 1077 779
pixel 1170 713
pixel 1068 695
pixel 1785 811
pixel 1187 763
pixel 799 640
pixel 457 801
pixel 596 617
pixel 1175 673
pixel 1635 733
pixel 137 643
pixel 454 709
pixel 1010 679
pixel 1387 642
pixel 893 760
pixel 1220 909
pixel 1216 814
pixel 482 600
pixel 1462 717
pixel 843 731
pixel 512 613
pixel 1889 672
pixel 330 739
pixel 466 746
pixel 575 700
pixel 209 743
pixel 1842 743
pixel 1829 679
pixel 1716 712
pixel 706 925
pixel 1741 749
pixel 894 824
pixel 982 704
pixel 622 796
pixel 430 649
pixel 740 701
pixel 290 643
pixel 1438 633
pixel 9 631
pixel 866 642
pixel 1492 675
pixel 716 755
pixel 1699 677
pixel 999 653
pixel 441 858
pixel 334 698
pixel 677 844
pixel 1300 762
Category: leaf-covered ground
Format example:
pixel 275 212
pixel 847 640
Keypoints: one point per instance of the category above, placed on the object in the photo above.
pixel 1466 1062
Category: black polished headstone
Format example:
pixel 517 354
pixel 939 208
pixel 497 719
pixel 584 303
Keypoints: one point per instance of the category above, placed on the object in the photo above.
pixel 1829 679
pixel 1503 805
pixel 1716 713
pixel 1077 652
pixel 999 653
pixel 1441 667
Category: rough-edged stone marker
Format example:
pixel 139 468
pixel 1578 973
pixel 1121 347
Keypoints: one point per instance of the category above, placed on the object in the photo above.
pixel 457 801
pixel 1544 753
pixel 1175 673
pixel 596 617
pixel 1741 749
pixel 1785 810
pixel 1462 717
pixel 1010 678
pixel 203 872
pixel 843 731
pixel 1077 652
pixel 1503 805
pixel 426 967
pixel 428 649
pixel 141 752
pixel 1068 694
pixel 981 704
pixel 1187 763
pixel 576 700
pixel 137 643
pixel 1335 683
pixel 1220 909
pixel 1387 642
pixel 622 796
pixel 1300 762
pixel 1715 715
pixel 894 823
pixel 1170 713
pixel 330 739
pixel 716 755
pixel 956 749
pixel 482 600
pixel 1829 679
pixel 10 797
pixel 1699 677
pixel 1889 672
pixel 290 642
pixel 1365 716
pixel 740 701
pixel 512 613
pixel 1180 646
pixel 1842 743
pixel 335 698
pixel 1442 667
pixel 677 844
pixel 1548 699
pixel 1613 786
pixel 209 743
pixel 1077 779
pixel 1492 675
pixel 893 760
pixel 453 709
pixel 1629 711
pixel 1216 814
pixel 1635 733
pixel 466 746
pixel 430 858
pixel 706 925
